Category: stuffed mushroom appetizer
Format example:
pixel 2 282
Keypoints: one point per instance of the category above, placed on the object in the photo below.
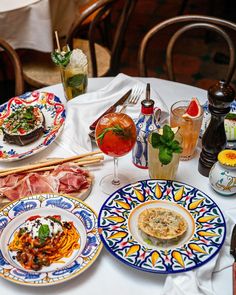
pixel 24 125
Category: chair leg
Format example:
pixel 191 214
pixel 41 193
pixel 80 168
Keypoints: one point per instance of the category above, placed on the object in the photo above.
pixel 104 29
pixel 4 83
pixel 118 43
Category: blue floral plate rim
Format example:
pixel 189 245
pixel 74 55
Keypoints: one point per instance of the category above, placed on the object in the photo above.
pixel 61 202
pixel 128 246
pixel 55 116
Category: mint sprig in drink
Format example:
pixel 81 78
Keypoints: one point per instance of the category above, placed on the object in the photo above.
pixel 74 71
pixel 164 148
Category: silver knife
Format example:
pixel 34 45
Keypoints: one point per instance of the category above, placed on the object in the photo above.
pixel 112 108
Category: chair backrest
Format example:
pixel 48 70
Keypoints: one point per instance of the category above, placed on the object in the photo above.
pixel 188 22
pixel 101 7
pixel 14 58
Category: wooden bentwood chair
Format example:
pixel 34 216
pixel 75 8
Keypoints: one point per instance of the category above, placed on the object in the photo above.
pixel 187 22
pixel 40 71
pixel 109 59
pixel 15 61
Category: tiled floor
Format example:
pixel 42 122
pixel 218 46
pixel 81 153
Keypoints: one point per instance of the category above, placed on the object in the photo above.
pixel 199 58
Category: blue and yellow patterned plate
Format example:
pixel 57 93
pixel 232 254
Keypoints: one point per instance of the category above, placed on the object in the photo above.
pixel 118 226
pixel 54 113
pixel 71 209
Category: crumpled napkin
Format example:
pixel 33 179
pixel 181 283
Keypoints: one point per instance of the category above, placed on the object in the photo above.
pixel 199 281
pixel 83 110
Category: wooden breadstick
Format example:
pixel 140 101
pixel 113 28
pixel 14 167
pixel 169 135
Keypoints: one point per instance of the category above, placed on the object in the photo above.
pixel 101 157
pixel 80 163
pixel 45 164
pixel 85 163
pixel 49 161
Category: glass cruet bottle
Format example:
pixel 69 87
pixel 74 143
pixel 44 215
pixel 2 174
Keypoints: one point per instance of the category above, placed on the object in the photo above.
pixel 145 124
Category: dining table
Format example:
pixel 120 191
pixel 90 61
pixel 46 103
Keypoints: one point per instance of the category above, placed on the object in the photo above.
pixel 108 275
pixel 30 24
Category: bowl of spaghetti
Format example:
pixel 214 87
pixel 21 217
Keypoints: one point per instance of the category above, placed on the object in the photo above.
pixel 47 239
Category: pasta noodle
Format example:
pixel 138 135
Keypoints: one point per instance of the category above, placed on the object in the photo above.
pixel 44 241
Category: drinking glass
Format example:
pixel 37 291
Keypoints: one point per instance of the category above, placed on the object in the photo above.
pixel 156 169
pixel 75 80
pixel 189 128
pixel 115 135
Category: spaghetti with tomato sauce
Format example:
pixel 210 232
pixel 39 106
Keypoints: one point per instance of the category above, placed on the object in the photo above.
pixel 44 240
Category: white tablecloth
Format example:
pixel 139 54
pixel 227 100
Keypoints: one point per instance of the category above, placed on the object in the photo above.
pixel 31 23
pixel 107 275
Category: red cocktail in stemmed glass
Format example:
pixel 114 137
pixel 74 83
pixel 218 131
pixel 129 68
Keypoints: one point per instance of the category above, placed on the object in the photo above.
pixel 115 135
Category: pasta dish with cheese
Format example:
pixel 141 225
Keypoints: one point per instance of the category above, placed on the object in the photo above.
pixel 40 241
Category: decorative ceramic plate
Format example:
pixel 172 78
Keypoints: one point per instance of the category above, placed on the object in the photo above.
pixel 230 123
pixel 118 226
pixel 70 209
pixel 54 113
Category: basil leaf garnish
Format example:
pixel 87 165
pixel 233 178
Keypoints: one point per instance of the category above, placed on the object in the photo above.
pixel 43 233
pixel 54 219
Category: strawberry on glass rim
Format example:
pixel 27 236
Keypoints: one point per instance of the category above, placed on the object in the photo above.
pixel 193 110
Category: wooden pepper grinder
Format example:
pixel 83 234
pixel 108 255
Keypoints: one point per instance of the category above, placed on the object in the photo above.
pixel 220 96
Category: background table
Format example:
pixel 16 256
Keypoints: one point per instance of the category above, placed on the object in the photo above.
pixel 108 275
pixel 30 24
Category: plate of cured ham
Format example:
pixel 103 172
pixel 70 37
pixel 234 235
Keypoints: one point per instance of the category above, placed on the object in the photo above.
pixel 68 178
pixel 29 124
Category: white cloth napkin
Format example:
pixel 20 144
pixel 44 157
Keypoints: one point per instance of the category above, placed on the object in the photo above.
pixel 199 281
pixel 83 110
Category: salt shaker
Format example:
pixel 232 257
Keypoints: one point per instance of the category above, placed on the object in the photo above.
pixel 146 123
pixel 222 175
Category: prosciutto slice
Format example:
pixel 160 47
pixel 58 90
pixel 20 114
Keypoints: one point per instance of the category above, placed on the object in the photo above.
pixel 10 180
pixel 29 184
pixel 66 178
pixel 71 178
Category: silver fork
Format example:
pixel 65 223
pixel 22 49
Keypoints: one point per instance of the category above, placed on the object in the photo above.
pixel 133 99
